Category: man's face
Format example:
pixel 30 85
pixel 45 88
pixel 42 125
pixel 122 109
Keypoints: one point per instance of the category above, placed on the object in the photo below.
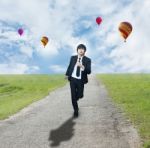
pixel 81 51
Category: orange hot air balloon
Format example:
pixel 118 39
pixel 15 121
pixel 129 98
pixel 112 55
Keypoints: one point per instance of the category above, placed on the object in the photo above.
pixel 44 40
pixel 125 29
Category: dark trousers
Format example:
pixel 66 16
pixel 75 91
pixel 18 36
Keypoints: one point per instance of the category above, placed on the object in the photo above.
pixel 77 89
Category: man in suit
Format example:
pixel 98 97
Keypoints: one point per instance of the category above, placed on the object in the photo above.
pixel 76 73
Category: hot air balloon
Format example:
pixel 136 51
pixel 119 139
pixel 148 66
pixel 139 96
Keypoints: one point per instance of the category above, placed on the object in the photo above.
pixel 98 20
pixel 20 31
pixel 44 40
pixel 125 29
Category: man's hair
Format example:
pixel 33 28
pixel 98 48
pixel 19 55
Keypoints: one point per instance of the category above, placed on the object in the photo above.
pixel 81 46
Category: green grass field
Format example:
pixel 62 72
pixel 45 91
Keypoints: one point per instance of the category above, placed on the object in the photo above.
pixel 132 93
pixel 18 91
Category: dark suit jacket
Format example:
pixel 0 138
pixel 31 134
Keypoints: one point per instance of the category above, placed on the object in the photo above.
pixel 87 64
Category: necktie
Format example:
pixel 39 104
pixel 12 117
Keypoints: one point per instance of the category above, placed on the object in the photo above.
pixel 78 69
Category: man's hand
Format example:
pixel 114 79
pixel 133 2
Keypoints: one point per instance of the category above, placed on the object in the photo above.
pixel 66 77
pixel 80 65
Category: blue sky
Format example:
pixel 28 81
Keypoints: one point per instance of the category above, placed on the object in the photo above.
pixel 68 23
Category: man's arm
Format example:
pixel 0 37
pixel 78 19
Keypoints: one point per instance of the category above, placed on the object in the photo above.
pixel 67 72
pixel 88 67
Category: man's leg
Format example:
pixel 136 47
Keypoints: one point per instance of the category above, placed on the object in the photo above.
pixel 80 89
pixel 73 87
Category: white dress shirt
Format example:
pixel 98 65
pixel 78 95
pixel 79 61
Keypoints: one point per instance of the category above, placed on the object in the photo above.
pixel 75 69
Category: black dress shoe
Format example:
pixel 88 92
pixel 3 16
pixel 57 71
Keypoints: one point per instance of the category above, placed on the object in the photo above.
pixel 76 113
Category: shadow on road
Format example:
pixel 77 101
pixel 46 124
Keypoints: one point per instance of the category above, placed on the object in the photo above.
pixel 62 133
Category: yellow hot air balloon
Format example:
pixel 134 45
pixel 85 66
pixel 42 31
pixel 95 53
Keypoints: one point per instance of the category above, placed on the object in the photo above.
pixel 125 29
pixel 44 40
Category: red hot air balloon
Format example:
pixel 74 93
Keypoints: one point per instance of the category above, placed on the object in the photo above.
pixel 20 31
pixel 98 20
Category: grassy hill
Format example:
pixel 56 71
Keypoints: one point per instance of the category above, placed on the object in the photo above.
pixel 18 91
pixel 132 93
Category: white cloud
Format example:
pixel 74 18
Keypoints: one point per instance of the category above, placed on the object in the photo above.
pixel 33 69
pixel 134 55
pixel 51 49
pixel 27 50
pixel 57 68
pixel 41 21
pixel 57 19
pixel 16 68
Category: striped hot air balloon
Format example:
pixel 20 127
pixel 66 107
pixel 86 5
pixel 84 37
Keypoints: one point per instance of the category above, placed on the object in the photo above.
pixel 44 40
pixel 125 29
